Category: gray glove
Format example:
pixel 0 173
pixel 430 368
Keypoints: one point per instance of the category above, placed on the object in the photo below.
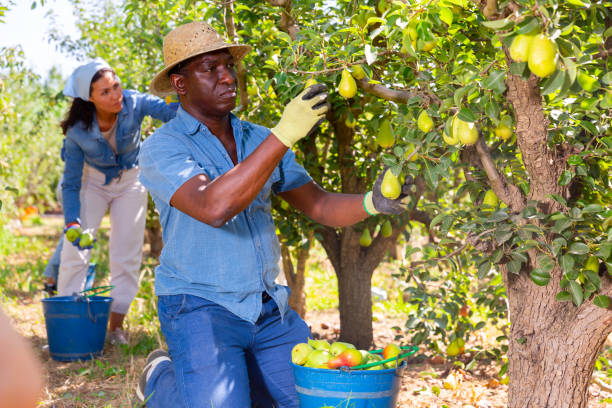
pixel 374 202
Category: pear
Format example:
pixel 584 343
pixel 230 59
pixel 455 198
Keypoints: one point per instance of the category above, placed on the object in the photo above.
pixel 385 136
pixel 592 264
pixel 366 239
pixel 409 151
pixel 429 45
pixel 86 239
pixel 450 140
pixel 318 344
pixel 311 81
pixel 73 233
pixel 350 122
pixel 386 229
pixel 390 186
pixel 466 132
pixel 424 122
pixel 519 49
pixel 358 72
pixel 347 87
pixel 542 59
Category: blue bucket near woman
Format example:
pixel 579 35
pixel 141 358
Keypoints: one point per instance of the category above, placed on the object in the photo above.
pixel 318 387
pixel 76 326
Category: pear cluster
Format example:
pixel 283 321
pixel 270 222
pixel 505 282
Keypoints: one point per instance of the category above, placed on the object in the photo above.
pixel 538 51
pixel 321 354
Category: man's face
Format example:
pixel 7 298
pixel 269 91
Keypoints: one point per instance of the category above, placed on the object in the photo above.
pixel 209 83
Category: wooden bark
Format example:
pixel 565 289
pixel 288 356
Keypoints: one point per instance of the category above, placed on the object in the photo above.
pixel 553 346
pixel 295 275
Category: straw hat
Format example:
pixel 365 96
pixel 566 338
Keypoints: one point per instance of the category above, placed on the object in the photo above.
pixel 187 41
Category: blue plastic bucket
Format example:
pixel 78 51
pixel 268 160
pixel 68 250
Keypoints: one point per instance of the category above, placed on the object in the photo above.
pixel 76 326
pixel 318 387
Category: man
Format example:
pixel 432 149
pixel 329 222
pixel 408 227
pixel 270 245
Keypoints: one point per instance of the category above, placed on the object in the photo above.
pixel 228 327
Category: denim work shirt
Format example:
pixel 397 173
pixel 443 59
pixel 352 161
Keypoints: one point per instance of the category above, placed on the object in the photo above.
pixel 231 265
pixel 83 145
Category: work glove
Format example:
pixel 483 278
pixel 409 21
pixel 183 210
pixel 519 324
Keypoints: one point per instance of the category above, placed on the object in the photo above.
pixel 302 115
pixel 374 202
pixel 78 238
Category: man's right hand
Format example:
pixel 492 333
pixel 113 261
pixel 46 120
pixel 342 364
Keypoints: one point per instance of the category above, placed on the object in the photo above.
pixel 302 115
pixel 75 235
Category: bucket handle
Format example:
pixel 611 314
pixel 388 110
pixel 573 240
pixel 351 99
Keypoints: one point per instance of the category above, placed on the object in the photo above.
pixel 98 290
pixel 410 351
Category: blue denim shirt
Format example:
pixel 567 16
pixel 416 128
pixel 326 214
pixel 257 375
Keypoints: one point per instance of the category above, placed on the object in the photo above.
pixel 231 265
pixel 83 145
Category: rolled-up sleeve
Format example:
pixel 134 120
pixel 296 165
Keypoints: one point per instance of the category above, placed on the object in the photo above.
pixel 166 164
pixel 292 174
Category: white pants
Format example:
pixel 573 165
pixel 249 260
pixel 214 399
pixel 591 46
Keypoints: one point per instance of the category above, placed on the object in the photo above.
pixel 127 199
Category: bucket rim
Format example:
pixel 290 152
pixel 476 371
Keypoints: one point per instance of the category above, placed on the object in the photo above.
pixel 72 299
pixel 348 371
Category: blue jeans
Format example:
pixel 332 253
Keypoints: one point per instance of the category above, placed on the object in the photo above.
pixel 222 361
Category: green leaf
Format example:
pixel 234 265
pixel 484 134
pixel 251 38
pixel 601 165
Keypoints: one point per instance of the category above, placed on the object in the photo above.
pixel 577 3
pixel 502 236
pixel 567 263
pixel 528 25
pixel 563 296
pixel 565 177
pixel 545 262
pixel 466 115
pixel 446 15
pixel 495 82
pixel 562 225
pixel 593 277
pixel 591 208
pixel 553 83
pixel 540 277
pixel 578 248
pixel 498 216
pixel 498 25
pixel 602 301
pixel 483 269
pixel 576 291
pixel 605 249
pixel 588 126
pixel 557 244
pixel 514 266
pixel 519 69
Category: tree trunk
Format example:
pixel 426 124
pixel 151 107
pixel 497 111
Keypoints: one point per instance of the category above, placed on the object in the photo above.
pixel 153 236
pixel 295 275
pixel 354 266
pixel 553 346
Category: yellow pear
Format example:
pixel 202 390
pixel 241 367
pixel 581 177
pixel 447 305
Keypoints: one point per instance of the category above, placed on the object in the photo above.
pixel 350 122
pixel 386 229
pixel 542 59
pixel 347 87
pixel 466 132
pixel 429 45
pixel 311 81
pixel 390 186
pixel 424 122
pixel 519 49
pixel 366 239
pixel 409 151
pixel 503 132
pixel 451 140
pixel 385 136
pixel 358 72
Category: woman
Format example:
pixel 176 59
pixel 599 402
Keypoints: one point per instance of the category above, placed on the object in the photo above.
pixel 101 147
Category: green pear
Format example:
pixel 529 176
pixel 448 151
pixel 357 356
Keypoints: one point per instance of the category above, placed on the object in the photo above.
pixel 318 344
pixel 339 347
pixel 347 87
pixel 317 359
pixel 542 56
pixel 390 186
pixel 386 229
pixel 519 49
pixel 385 137
pixel 424 122
pixel 366 239
pixel 300 353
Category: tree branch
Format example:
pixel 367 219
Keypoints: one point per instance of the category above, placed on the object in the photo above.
pixel 287 23
pixel 228 17
pixel 505 191
pixel 394 95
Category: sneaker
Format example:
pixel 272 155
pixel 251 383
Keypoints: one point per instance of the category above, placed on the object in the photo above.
pixel 153 359
pixel 117 337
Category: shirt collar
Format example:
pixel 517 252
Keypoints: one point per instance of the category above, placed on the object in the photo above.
pixel 191 125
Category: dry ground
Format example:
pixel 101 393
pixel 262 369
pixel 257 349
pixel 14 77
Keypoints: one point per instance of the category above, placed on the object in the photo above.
pixel 110 380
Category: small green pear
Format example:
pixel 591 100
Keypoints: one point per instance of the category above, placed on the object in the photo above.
pixel 385 137
pixel 424 122
pixel 347 87
pixel 490 199
pixel 519 49
pixel 390 186
pixel 543 55
pixel 366 239
pixel 386 229
pixel 358 72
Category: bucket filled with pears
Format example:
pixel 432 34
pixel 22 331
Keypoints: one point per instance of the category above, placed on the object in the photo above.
pixel 338 374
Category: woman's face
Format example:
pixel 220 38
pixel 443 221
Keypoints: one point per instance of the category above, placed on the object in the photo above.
pixel 106 93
